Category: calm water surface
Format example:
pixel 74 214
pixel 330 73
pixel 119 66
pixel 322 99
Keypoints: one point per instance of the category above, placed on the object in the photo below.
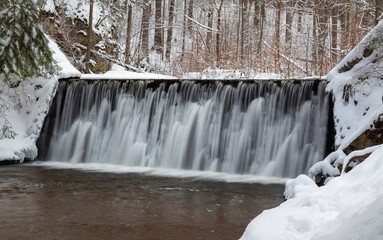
pixel 44 203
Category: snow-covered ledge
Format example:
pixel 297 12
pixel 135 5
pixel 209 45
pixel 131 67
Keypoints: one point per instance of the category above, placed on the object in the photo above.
pixel 26 104
pixel 119 73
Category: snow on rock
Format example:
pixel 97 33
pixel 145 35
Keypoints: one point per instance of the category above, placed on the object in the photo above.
pixel 298 185
pixel 357 87
pixel 348 207
pixel 323 171
pixel 66 69
pixel 24 106
pixel 79 9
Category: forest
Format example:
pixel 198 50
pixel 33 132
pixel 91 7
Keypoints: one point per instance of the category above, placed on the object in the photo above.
pixel 291 38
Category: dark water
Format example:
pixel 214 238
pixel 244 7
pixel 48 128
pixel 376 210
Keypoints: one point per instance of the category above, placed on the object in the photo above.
pixel 44 203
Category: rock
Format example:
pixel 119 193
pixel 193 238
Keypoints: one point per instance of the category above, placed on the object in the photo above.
pixel 70 35
pixel 353 162
pixel 369 138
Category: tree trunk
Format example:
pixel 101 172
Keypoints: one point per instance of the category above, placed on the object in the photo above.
pixel 158 28
pixel 300 10
pixel 261 25
pixel 377 11
pixel 218 35
pixel 289 22
pixel 256 14
pixel 190 15
pixel 242 21
pixel 128 33
pixel 170 30
pixel 315 42
pixel 288 36
pixel 184 32
pixel 342 19
pixel 334 34
pixel 323 32
pixel 90 37
pixel 277 37
pixel 145 32
pixel 209 36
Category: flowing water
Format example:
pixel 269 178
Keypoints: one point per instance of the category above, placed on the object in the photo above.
pixel 231 129
pixel 48 203
pixel 261 128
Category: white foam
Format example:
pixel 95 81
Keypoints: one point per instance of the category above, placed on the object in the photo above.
pixel 176 173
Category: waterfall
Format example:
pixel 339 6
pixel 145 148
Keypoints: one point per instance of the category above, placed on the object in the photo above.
pixel 262 128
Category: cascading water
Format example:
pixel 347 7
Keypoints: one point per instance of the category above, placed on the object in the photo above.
pixel 265 128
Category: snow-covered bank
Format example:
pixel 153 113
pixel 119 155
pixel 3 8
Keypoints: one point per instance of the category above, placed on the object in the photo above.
pixel 348 207
pixel 24 106
pixel 350 204
pixel 357 87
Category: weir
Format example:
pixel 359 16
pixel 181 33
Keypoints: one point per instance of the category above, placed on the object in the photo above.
pixel 271 128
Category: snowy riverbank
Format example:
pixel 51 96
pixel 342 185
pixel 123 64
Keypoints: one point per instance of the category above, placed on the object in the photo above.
pixel 349 206
pixel 24 106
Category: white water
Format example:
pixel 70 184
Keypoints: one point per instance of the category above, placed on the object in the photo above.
pixel 251 128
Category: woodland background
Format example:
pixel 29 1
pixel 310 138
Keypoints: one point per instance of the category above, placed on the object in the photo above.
pixel 292 38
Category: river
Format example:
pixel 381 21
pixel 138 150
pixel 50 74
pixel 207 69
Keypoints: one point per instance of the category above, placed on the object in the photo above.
pixel 39 202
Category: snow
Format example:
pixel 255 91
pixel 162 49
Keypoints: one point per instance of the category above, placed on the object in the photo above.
pixel 355 198
pixel 67 70
pixel 354 116
pixel 299 185
pixel 26 106
pixel 349 205
pixel 119 73
pixel 326 166
pixel 230 74
pixel 80 9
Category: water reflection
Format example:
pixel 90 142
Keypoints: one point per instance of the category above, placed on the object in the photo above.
pixel 42 203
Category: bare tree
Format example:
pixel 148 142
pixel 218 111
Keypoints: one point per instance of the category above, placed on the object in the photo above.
pixel 334 33
pixel 218 34
pixel 377 11
pixel 90 37
pixel 170 30
pixel 128 32
pixel 158 28
pixel 277 35
pixel 145 31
